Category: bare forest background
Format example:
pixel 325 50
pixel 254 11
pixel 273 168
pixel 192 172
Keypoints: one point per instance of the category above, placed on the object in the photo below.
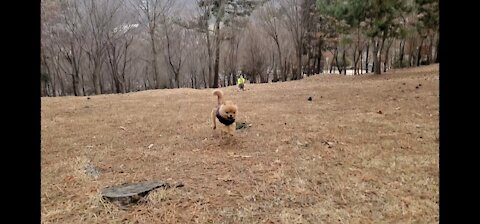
pixel 91 47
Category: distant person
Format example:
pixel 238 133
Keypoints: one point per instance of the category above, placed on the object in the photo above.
pixel 241 83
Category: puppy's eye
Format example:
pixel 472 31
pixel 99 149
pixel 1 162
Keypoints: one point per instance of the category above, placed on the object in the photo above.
pixel 228 112
pixel 233 112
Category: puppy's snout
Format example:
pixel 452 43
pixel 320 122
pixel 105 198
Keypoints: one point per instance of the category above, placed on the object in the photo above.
pixel 230 115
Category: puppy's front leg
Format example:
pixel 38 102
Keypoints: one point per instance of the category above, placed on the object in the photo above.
pixel 231 128
pixel 214 123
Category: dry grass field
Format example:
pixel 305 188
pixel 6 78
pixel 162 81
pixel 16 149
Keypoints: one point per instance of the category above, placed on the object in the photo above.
pixel 364 150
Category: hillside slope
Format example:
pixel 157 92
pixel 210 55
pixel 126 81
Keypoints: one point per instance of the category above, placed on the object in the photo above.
pixel 364 150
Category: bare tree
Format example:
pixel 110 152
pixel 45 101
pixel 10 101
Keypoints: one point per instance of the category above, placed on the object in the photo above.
pixel 73 40
pixel 294 22
pixel 98 17
pixel 225 11
pixel 232 35
pixel 152 12
pixel 205 11
pixel 254 56
pixel 387 54
pixel 52 80
pixel 174 52
pixel 194 67
pixel 271 21
pixel 118 44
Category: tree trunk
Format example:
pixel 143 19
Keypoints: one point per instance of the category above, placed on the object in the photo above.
pixel 357 46
pixel 195 85
pixel 376 64
pixel 344 62
pixel 217 44
pixel 217 54
pixel 96 78
pixel 282 73
pixel 209 51
pixel 114 85
pixel 113 60
pixel 307 66
pixel 419 51
pixel 235 67
pixel 319 57
pixel 61 83
pixel 43 89
pixel 402 52
pixel 51 76
pixel 299 64
pixel 174 70
pixel 75 63
pixel 387 51
pixel 361 64
pixel 355 60
pixel 156 73
pixel 336 62
pixel 75 85
pixel 124 87
pixel 366 58
pixel 358 63
pixel 204 78
pixel 437 56
pixel 430 48
pixel 378 69
pixel 102 83
pixel 275 76
pixel 311 63
pixel 331 63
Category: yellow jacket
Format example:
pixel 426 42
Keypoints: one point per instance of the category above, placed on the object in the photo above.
pixel 241 80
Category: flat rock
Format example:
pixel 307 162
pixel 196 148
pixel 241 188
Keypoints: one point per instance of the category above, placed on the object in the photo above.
pixel 129 193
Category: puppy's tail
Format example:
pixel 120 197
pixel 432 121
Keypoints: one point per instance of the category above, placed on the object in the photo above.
pixel 219 94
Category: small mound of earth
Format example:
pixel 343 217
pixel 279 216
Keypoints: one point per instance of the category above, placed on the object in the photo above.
pixel 242 125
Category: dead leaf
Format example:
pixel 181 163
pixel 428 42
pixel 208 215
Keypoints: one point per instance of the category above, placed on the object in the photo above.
pixel 123 128
pixel 232 154
pixel 225 178
pixel 150 146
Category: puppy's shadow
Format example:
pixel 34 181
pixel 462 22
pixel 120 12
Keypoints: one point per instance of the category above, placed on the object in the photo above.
pixel 223 138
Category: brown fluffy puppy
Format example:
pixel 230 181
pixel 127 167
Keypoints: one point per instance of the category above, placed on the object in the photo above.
pixel 225 113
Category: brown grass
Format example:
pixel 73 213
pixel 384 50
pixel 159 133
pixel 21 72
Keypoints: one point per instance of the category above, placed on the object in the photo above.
pixel 335 159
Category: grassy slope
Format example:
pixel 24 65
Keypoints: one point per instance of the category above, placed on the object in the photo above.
pixel 335 159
